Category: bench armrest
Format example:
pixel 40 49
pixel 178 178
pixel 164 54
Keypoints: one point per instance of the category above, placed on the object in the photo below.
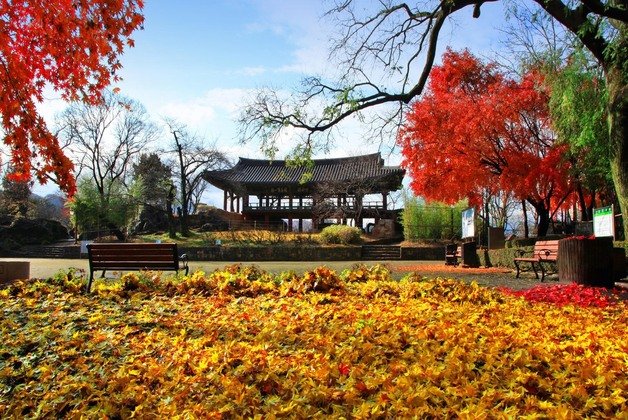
pixel 545 253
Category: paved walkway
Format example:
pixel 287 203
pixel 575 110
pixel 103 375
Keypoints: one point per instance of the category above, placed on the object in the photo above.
pixel 492 277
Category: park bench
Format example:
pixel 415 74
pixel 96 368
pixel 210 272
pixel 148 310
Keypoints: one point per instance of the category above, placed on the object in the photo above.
pixel 544 252
pixel 134 257
pixel 452 253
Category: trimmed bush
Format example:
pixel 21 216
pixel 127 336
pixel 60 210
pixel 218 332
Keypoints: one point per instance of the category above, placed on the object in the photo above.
pixel 341 234
pixel 502 257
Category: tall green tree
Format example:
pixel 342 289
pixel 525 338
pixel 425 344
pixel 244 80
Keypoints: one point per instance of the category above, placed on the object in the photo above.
pixel 430 221
pixel 15 196
pixel 577 98
pixel 91 216
pixel 379 50
pixel 578 112
pixel 156 179
pixel 156 188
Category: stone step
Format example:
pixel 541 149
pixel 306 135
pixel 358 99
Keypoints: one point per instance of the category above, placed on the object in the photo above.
pixel 381 252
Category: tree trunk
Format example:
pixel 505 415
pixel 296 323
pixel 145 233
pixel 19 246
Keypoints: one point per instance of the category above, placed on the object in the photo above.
pixel 526 229
pixel 616 78
pixel 115 231
pixel 172 232
pixel 582 203
pixel 183 218
pixel 544 218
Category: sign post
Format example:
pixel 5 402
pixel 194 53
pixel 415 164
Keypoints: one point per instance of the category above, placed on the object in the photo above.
pixel 469 251
pixel 468 223
pixel 604 222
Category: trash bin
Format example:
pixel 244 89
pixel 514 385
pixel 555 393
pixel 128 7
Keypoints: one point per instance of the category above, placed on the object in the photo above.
pixel 470 256
pixel 14 270
pixel 619 263
pixel 586 261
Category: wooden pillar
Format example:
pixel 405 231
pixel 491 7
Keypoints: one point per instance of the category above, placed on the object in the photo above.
pixel 290 223
pixel 224 206
pixel 358 210
pixel 385 199
pixel 300 225
pixel 238 204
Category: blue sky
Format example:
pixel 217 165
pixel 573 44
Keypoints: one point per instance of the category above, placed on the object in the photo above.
pixel 197 60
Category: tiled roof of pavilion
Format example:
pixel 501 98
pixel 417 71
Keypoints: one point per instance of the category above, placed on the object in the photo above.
pixel 252 172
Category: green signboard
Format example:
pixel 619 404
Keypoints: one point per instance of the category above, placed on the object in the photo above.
pixel 603 222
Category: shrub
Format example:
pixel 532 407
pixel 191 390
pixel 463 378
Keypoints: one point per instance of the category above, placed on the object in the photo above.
pixel 341 234
pixel 503 257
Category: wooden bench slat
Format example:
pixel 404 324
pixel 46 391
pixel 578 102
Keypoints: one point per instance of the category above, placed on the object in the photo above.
pixel 132 257
pixel 105 264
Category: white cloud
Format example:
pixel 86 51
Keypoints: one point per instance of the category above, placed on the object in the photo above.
pixel 299 24
pixel 252 71
pixel 214 107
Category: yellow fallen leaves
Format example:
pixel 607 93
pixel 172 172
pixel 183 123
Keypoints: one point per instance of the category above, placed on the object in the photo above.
pixel 241 343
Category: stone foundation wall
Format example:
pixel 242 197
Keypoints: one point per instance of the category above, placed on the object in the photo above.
pixel 219 253
pixel 423 253
pixel 244 254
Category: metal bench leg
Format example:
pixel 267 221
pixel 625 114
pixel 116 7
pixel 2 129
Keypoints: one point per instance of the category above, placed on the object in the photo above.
pixel 536 274
pixel 518 269
pixel 89 282
pixel 542 272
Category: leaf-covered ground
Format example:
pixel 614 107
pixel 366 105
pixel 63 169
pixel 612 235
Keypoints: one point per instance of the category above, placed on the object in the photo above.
pixel 242 343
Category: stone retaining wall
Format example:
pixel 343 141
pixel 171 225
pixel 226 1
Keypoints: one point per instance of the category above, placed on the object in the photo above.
pixel 227 253
pixel 429 254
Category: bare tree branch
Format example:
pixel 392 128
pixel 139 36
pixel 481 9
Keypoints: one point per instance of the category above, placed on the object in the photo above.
pixel 381 41
pixel 192 158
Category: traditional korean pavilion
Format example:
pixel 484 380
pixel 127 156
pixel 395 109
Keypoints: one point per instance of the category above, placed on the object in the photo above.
pixel 271 191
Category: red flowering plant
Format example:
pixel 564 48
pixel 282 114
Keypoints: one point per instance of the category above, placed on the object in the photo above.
pixel 581 237
pixel 574 294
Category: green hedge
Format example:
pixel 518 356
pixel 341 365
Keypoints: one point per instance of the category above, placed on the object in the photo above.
pixel 502 257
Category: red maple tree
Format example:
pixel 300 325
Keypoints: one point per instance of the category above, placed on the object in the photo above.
pixel 476 129
pixel 72 46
